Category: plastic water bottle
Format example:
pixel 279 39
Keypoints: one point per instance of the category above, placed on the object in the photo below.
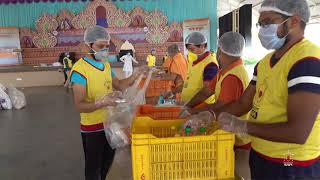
pixel 203 131
pixel 188 130
pixel 173 130
pixel 161 100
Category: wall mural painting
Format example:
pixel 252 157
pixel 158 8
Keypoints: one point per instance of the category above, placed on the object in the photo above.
pixel 64 31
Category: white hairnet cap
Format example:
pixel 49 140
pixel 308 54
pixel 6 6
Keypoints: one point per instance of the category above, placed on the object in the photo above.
pixel 196 38
pixel 96 33
pixel 232 44
pixel 288 8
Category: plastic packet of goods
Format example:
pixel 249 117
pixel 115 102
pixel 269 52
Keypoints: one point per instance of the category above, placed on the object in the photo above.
pixel 116 136
pixel 17 97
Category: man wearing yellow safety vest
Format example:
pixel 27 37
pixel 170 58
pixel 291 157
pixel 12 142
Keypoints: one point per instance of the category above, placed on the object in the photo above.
pixel 232 80
pixel 202 70
pixel 283 98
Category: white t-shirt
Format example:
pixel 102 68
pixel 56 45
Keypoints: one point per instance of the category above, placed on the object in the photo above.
pixel 127 60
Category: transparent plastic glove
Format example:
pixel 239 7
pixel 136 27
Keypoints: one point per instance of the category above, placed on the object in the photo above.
pixel 231 123
pixel 184 113
pixel 168 95
pixel 111 99
pixel 203 119
pixel 141 70
pixel 193 122
pixel 207 117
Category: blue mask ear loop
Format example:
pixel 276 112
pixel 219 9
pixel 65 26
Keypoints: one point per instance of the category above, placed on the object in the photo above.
pixel 284 23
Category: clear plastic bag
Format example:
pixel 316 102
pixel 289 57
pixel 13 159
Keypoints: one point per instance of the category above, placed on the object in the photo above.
pixel 17 97
pixel 111 98
pixel 5 102
pixel 116 135
pixel 121 116
pixel 130 93
pixel 3 87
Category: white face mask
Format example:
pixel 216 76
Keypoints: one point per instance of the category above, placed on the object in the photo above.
pixel 269 37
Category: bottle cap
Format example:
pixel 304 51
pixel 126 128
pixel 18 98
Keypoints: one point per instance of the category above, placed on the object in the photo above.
pixel 203 129
pixel 188 130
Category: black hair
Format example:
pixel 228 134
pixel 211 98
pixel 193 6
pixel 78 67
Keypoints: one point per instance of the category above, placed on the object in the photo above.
pixel 72 57
pixel 303 24
pixel 61 56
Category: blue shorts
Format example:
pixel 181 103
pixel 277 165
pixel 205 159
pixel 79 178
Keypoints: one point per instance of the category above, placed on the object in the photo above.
pixel 262 169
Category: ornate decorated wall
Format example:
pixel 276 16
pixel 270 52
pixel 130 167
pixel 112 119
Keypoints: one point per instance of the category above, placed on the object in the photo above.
pixel 64 31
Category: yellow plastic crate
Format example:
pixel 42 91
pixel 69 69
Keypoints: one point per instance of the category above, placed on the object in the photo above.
pixel 158 155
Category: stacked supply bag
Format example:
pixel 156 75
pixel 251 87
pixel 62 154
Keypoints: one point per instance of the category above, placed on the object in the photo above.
pixel 11 97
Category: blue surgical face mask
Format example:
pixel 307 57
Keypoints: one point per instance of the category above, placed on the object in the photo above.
pixel 102 54
pixel 112 59
pixel 269 37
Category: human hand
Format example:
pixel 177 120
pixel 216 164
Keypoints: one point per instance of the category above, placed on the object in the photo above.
pixel 111 99
pixel 206 116
pixel 168 95
pixel 185 112
pixel 195 111
pixel 141 70
pixel 203 119
pixel 231 123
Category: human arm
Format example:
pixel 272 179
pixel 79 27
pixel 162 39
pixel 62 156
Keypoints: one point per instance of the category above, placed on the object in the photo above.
pixel 178 81
pixel 231 90
pixel 303 107
pixel 123 84
pixel 209 81
pixel 173 92
pixel 134 60
pixel 122 59
pixel 79 82
pixel 79 94
pixel 239 107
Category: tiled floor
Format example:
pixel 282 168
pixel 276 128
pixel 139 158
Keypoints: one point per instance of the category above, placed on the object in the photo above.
pixel 43 142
